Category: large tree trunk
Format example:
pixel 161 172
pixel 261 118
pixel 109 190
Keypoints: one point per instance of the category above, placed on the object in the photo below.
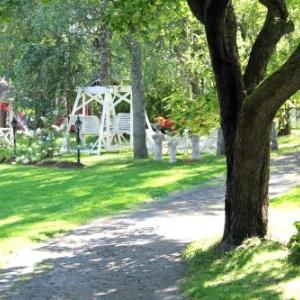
pixel 248 104
pixel 138 101
pixel 247 213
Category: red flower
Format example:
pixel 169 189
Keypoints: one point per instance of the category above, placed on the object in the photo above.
pixel 165 123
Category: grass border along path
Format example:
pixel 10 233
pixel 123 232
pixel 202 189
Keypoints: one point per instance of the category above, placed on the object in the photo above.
pixel 255 270
pixel 37 203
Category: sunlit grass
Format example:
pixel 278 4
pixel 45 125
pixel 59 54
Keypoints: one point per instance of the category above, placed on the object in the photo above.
pixel 256 270
pixel 288 144
pixel 39 202
pixel 289 200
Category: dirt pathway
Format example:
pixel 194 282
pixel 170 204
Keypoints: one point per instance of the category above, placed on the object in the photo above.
pixel 134 256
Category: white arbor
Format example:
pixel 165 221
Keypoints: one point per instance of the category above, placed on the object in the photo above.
pixel 112 127
pixel 6 133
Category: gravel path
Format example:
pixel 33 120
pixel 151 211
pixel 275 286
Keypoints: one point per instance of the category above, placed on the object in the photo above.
pixel 134 256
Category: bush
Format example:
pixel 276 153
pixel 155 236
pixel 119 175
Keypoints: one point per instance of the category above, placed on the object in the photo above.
pixel 294 246
pixel 41 145
pixel 6 151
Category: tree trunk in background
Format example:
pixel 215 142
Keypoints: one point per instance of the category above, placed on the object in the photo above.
pixel 138 101
pixel 104 48
pixel 248 105
pixel 220 143
pixel 274 143
pixel 284 125
pixel 3 118
pixel 70 96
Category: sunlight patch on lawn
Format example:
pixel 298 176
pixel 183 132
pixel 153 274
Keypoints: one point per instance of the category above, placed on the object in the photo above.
pixel 256 270
pixel 289 200
pixel 37 203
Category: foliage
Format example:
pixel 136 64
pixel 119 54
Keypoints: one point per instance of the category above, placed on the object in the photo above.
pixel 196 115
pixel 43 143
pixel 294 245
pixel 43 58
pixel 40 146
pixel 6 151
pixel 39 201
pixel 256 270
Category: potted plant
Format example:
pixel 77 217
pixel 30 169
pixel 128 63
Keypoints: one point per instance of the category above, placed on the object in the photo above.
pixel 164 126
pixel 193 114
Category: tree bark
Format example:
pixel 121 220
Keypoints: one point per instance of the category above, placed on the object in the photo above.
pixel 103 45
pixel 248 193
pixel 2 118
pixel 248 105
pixel 138 101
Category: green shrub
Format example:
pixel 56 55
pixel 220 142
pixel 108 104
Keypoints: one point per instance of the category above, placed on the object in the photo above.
pixel 41 145
pixel 294 246
pixel 6 151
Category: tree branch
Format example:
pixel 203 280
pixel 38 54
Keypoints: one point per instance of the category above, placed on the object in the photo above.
pixel 220 23
pixel 276 25
pixel 198 7
pixel 221 31
pixel 277 88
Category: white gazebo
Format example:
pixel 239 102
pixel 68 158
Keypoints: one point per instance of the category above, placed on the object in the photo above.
pixel 6 104
pixel 112 127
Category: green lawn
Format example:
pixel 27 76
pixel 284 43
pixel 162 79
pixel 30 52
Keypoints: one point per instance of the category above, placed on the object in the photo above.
pixel 255 270
pixel 290 200
pixel 288 144
pixel 39 202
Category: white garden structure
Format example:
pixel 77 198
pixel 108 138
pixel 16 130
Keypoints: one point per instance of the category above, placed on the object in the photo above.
pixel 113 129
pixel 6 133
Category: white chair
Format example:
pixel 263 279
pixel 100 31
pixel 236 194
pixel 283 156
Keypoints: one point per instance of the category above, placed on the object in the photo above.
pixel 90 124
pixel 123 124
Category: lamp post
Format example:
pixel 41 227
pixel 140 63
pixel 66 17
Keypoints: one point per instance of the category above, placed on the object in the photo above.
pixel 78 125
pixel 14 125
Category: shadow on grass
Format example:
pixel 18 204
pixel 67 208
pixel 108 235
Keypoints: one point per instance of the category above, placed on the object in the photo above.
pixel 255 271
pixel 32 199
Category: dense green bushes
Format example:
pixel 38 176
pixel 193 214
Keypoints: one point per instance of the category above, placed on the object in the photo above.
pixel 294 246
pixel 6 151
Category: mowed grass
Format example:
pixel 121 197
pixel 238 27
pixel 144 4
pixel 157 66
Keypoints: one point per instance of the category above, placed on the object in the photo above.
pixel 289 200
pixel 288 144
pixel 39 202
pixel 255 270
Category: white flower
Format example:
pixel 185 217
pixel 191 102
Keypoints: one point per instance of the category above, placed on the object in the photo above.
pixel 26 161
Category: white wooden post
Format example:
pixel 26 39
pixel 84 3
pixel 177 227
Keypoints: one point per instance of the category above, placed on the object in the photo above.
pixel 102 122
pixel 131 118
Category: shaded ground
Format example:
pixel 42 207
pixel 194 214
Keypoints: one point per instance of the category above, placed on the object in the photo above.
pixel 134 256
